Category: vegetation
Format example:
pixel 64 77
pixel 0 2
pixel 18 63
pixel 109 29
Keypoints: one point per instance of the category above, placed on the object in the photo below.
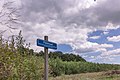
pixel 18 62
pixel 63 57
pixel 88 76
pixel 59 67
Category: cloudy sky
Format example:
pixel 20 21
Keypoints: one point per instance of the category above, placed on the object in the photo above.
pixel 90 29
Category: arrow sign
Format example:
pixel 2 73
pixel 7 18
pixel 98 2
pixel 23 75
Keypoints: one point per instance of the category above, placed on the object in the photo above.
pixel 47 44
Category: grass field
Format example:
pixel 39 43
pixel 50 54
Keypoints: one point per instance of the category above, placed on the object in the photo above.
pixel 90 76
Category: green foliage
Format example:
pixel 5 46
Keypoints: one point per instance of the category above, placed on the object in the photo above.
pixel 7 58
pixel 14 65
pixel 20 43
pixel 60 67
pixel 66 57
pixel 63 57
pixel 29 69
pixel 56 67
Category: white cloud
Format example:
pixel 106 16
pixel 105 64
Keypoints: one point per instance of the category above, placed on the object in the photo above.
pixel 114 38
pixel 90 47
pixel 94 37
pixel 111 53
pixel 106 45
pixel 105 32
pixel 69 22
pixel 111 26
pixel 108 56
pixel 68 35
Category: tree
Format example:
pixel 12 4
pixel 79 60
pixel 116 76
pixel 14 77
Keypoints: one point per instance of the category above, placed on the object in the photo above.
pixel 31 52
pixel 9 15
pixel 12 44
pixel 20 43
pixel 1 41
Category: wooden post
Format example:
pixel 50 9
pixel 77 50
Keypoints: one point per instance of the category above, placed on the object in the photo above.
pixel 46 60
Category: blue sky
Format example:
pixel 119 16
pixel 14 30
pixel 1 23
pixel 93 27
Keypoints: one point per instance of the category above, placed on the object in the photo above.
pixel 101 40
pixel 87 28
pixel 64 48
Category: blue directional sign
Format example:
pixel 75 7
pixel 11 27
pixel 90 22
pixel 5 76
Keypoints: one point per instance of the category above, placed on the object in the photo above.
pixel 47 44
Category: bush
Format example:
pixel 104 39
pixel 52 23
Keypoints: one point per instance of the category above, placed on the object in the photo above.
pixel 56 67
pixel 16 63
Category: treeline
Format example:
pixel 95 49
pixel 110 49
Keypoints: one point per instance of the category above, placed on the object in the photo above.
pixel 59 67
pixel 63 57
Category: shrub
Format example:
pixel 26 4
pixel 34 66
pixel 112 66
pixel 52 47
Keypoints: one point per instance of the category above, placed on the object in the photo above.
pixel 59 67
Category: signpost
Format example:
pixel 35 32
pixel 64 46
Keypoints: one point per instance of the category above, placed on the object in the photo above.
pixel 46 44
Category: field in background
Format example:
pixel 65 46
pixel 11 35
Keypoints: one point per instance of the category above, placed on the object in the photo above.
pixel 90 76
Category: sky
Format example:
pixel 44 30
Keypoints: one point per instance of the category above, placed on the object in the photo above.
pixel 87 28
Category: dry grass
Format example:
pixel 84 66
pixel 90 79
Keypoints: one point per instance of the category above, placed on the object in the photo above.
pixel 89 76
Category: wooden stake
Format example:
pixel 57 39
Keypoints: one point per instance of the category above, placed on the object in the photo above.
pixel 46 60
